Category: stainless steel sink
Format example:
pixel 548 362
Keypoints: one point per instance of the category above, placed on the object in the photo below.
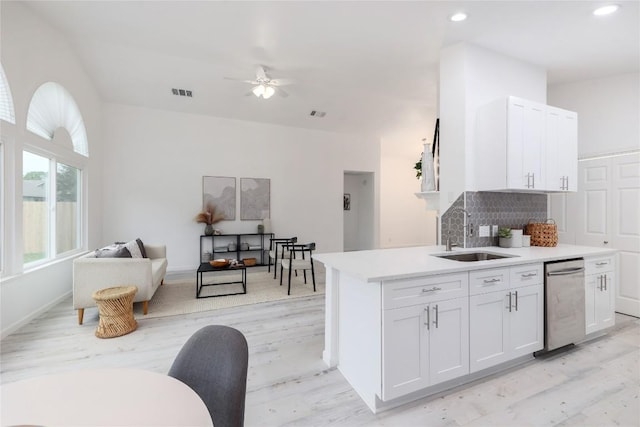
pixel 473 256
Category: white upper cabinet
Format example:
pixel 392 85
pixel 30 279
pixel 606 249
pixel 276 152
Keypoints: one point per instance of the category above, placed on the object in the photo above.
pixel 525 146
pixel 561 150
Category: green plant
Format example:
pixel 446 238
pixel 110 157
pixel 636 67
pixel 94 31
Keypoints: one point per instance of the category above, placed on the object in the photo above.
pixel 504 232
pixel 418 167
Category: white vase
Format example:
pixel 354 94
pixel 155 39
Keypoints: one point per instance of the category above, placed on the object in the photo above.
pixel 428 182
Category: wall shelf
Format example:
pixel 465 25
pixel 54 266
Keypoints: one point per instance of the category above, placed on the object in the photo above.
pixel 432 198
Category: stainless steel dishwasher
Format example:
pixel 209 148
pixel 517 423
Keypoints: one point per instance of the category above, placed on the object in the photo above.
pixel 564 306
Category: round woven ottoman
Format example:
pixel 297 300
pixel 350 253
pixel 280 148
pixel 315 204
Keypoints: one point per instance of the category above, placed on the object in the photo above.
pixel 115 306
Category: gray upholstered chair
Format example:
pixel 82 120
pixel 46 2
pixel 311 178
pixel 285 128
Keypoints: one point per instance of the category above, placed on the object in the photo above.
pixel 213 362
pixel 299 258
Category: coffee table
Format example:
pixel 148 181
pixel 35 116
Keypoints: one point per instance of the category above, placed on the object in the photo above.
pixel 205 267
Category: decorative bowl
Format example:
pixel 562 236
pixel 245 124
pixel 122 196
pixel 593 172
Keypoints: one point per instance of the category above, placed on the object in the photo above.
pixel 219 262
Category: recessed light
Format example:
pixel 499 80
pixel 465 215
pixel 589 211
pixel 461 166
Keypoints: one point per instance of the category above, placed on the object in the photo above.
pixel 606 10
pixel 458 17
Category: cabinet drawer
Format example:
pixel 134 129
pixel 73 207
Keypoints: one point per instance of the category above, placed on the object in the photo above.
pixel 598 265
pixel 525 275
pixel 406 292
pixel 483 281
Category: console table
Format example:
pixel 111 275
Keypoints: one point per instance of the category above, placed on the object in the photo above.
pixel 231 246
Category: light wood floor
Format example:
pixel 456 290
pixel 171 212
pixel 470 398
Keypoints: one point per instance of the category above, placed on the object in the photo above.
pixel 595 384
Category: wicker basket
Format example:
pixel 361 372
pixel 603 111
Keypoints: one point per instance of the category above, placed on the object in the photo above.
pixel 543 233
pixel 219 263
pixel 248 262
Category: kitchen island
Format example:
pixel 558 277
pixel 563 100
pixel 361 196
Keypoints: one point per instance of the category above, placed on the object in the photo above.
pixel 404 323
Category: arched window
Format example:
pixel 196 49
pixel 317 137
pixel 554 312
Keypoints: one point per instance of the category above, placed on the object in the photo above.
pixel 52 208
pixel 53 107
pixel 6 100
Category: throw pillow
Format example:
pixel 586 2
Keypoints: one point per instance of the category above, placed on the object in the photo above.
pixel 113 251
pixel 141 245
pixel 134 249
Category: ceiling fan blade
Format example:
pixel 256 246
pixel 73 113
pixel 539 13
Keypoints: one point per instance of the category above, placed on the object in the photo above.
pixel 281 92
pixel 282 82
pixel 261 73
pixel 253 82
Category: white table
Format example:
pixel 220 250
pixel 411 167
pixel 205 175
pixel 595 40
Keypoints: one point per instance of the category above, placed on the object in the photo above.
pixel 102 397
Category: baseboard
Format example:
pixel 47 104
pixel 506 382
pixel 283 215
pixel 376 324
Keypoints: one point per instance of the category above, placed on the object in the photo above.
pixel 25 320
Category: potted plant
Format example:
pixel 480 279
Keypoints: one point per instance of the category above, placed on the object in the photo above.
pixel 504 237
pixel 209 216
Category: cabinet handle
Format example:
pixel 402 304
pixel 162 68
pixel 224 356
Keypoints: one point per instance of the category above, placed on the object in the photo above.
pixel 533 180
pixel 516 292
pixel 525 276
pixel 491 281
pixel 604 280
pixel 562 183
pixel 426 309
pixel 606 242
pixel 528 180
pixel 567 186
pixel 435 288
pixel 601 263
pixel 436 310
pixel 509 295
pixel 600 284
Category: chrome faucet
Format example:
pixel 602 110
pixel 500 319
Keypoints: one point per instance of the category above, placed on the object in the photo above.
pixel 468 228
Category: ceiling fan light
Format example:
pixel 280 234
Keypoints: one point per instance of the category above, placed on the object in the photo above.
pixel 606 10
pixel 268 92
pixel 258 90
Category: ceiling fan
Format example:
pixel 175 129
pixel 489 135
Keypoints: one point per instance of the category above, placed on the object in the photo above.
pixel 265 86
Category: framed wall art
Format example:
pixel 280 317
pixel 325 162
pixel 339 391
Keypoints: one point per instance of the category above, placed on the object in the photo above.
pixel 221 191
pixel 255 195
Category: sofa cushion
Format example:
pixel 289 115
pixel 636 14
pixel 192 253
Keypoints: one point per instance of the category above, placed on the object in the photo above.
pixel 113 251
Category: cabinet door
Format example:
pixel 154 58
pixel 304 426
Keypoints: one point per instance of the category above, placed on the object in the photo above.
pixel 448 340
pixel 605 303
pixel 561 165
pixel 405 351
pixel 526 320
pixel 591 286
pixel 488 330
pixel 525 144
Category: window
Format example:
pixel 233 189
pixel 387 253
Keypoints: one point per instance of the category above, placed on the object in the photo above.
pixel 35 207
pixel 67 208
pixel 49 229
pixel 6 101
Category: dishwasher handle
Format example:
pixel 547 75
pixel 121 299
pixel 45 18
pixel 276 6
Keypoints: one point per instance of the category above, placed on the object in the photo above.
pixel 565 272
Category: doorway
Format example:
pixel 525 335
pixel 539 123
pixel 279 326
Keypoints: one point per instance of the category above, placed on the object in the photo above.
pixel 359 211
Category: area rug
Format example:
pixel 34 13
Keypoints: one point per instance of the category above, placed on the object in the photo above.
pixel 178 296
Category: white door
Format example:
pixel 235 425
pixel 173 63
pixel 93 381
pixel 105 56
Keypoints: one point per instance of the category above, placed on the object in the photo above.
pixel 526 320
pixel 405 354
pixel 488 330
pixel 625 231
pixel 594 207
pixel 449 340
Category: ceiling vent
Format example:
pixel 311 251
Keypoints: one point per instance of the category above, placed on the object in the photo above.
pixel 182 92
pixel 318 114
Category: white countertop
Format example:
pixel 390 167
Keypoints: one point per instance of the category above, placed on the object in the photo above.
pixel 388 264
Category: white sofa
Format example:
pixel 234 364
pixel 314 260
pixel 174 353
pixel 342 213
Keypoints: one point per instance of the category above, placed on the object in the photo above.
pixel 91 274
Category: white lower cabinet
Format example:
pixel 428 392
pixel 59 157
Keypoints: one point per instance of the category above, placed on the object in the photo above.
pixel 424 345
pixel 599 294
pixel 433 331
pixel 508 323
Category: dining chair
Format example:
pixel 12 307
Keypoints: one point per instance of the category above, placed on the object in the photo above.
pixel 277 245
pixel 213 362
pixel 299 259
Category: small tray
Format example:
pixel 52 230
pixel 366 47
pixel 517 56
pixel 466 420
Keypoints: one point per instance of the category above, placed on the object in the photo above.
pixel 219 263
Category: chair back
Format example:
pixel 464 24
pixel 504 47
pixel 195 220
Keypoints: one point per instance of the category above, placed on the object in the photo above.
pixel 213 362
pixel 299 255
pixel 276 242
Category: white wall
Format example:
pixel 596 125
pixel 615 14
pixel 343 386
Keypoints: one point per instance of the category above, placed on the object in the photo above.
pixel 470 77
pixel 608 112
pixel 405 220
pixel 156 159
pixel 32 54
